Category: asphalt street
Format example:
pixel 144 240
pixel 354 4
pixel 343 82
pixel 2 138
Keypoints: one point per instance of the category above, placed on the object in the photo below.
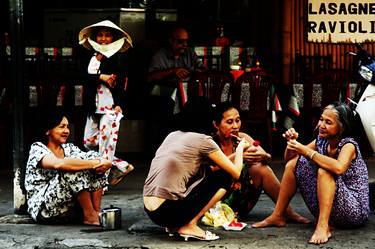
pixel 137 231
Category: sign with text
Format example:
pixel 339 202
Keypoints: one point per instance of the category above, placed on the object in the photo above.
pixel 341 21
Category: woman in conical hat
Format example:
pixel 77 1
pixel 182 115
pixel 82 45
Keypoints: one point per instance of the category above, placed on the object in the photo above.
pixel 121 40
pixel 106 82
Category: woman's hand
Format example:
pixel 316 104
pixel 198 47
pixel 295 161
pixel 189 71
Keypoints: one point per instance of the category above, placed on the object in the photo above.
pixel 297 147
pixel 102 166
pixel 243 144
pixel 99 56
pixel 251 156
pixel 290 134
pixel 110 79
pixel 118 109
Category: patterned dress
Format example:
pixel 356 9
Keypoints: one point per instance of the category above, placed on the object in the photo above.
pixel 50 193
pixel 103 102
pixel 243 194
pixel 351 201
pixel 102 126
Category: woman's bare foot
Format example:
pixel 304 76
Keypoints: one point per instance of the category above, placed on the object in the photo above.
pixel 271 221
pixel 321 235
pixel 91 223
pixel 192 229
pixel 293 216
pixel 91 219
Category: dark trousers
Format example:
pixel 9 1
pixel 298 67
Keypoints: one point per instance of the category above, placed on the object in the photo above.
pixel 176 213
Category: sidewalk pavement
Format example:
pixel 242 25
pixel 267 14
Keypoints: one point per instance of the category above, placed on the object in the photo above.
pixel 18 231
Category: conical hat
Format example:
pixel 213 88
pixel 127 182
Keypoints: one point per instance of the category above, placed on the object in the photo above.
pixel 122 44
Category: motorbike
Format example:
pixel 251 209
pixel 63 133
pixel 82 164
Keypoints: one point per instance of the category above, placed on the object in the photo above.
pixel 363 103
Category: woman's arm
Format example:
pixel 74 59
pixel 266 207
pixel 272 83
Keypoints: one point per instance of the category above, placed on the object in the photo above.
pixel 291 153
pixel 50 161
pixel 336 166
pixel 241 135
pixel 221 160
pixel 255 154
pixel 108 79
pixel 292 135
pixel 251 156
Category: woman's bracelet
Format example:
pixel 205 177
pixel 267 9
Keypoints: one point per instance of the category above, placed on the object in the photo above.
pixel 312 155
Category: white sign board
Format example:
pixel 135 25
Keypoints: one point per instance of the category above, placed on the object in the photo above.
pixel 341 21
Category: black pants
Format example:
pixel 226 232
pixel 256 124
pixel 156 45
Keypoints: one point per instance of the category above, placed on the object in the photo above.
pixel 176 213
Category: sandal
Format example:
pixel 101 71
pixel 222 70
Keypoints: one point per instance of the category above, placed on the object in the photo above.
pixel 170 231
pixel 116 175
pixel 208 236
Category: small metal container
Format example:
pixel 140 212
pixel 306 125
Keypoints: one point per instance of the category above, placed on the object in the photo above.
pixel 110 218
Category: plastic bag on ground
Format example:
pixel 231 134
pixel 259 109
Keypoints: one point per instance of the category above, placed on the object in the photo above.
pixel 218 215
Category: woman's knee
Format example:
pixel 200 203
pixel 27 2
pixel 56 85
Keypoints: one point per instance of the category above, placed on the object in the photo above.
pixel 260 171
pixel 72 176
pixel 79 180
pixel 322 173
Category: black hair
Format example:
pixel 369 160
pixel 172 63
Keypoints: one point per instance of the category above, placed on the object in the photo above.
pixel 219 110
pixel 49 119
pixel 116 34
pixel 196 116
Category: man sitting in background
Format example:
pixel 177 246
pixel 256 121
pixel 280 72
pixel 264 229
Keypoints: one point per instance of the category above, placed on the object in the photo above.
pixel 169 66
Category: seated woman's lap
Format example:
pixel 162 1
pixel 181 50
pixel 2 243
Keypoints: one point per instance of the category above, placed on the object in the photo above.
pixel 60 194
pixel 80 180
pixel 346 209
pixel 176 213
pixel 306 177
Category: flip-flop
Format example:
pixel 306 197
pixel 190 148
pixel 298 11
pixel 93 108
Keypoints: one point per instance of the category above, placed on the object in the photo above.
pixel 208 236
pixel 116 175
